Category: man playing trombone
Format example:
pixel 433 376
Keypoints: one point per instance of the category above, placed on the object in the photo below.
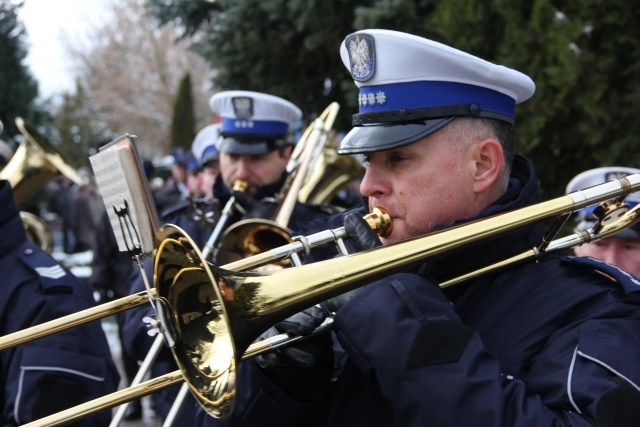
pixel 546 343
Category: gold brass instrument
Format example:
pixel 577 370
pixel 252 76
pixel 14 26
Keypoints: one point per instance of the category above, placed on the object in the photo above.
pixel 329 175
pixel 253 236
pixel 216 313
pixel 378 220
pixel 238 185
pixel 34 164
pixel 37 231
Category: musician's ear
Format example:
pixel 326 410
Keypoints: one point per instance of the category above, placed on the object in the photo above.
pixel 488 160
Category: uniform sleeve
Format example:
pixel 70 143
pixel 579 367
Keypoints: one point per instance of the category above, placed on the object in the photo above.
pixel 54 373
pixel 260 403
pixel 405 336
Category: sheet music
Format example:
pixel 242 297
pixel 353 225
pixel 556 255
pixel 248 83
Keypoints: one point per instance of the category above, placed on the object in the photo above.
pixel 126 196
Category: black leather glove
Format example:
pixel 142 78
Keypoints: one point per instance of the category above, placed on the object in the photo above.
pixel 301 368
pixel 253 208
pixel 363 238
pixel 360 232
pixel 299 354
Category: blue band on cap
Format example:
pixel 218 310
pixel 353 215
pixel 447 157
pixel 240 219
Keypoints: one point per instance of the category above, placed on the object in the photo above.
pixel 426 94
pixel 258 127
pixel 209 150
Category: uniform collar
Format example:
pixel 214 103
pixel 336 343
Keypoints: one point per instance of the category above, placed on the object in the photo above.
pixel 522 192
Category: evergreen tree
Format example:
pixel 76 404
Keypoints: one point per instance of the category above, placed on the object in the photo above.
pixel 585 60
pixel 285 48
pixel 584 57
pixel 183 123
pixel 18 89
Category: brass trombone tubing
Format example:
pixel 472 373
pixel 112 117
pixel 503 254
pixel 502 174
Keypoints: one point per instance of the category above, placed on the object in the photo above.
pixel 378 220
pixel 331 277
pixel 568 203
pixel 154 384
pixel 238 185
pixel 76 319
pixel 567 242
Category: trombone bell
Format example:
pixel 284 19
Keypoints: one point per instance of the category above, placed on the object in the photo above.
pixel 251 237
pixel 206 352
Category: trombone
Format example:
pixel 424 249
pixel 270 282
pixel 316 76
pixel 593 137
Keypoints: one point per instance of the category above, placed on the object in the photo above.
pixel 217 313
pixel 238 185
pixel 378 220
pixel 33 165
pixel 253 236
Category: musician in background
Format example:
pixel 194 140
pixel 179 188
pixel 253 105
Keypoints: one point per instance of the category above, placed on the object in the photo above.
pixel 544 343
pixel 255 146
pixel 50 374
pixel 623 248
pixel 175 187
pixel 194 173
pixel 208 156
pixel 253 143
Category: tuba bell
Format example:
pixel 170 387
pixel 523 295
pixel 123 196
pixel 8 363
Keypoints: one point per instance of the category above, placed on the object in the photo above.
pixel 329 175
pixel 37 231
pixel 33 165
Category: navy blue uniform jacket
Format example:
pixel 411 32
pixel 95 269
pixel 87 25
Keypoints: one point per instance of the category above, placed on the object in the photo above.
pixel 54 373
pixel 552 343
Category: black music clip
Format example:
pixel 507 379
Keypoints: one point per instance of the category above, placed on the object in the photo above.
pixel 131 236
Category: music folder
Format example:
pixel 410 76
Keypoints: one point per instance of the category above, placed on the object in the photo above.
pixel 126 195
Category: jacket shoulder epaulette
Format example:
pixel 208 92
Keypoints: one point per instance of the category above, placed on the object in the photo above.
pixel 53 277
pixel 627 281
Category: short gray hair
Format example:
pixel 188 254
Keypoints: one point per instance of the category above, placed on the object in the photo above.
pixel 465 130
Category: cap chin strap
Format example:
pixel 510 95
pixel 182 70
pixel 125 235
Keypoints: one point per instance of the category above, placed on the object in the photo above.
pixel 420 114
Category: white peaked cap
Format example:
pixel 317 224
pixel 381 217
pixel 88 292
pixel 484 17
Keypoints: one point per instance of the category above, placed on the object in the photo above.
pixel 204 145
pixel 410 87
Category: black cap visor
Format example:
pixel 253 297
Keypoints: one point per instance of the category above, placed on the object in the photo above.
pixel 372 138
pixel 254 147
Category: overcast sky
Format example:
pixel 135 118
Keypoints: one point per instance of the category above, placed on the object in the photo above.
pixel 48 24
